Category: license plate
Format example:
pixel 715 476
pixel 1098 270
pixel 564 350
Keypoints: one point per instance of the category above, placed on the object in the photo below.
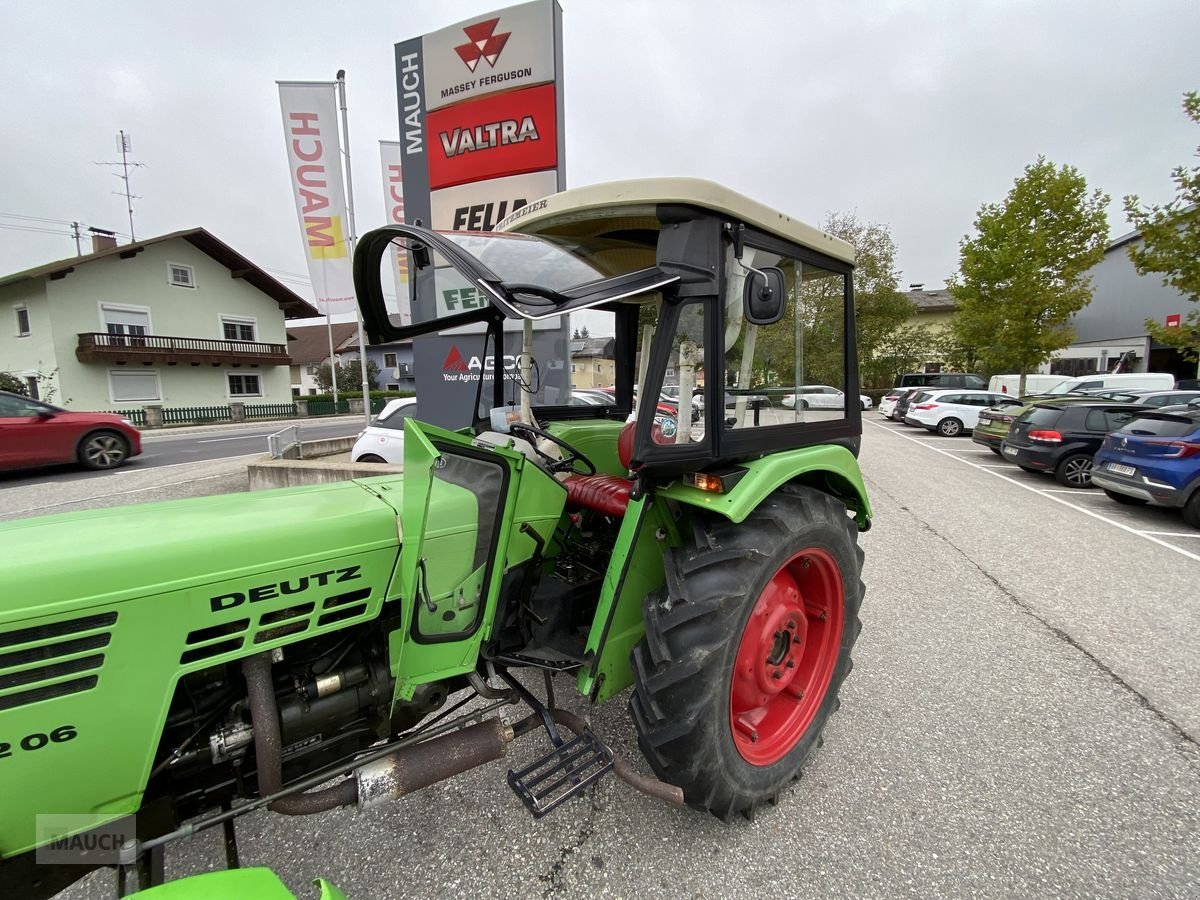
pixel 1120 469
pixel 1011 451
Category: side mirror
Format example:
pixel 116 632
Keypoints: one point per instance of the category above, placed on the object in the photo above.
pixel 764 295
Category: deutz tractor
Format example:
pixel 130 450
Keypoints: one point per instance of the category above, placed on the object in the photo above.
pixel 176 665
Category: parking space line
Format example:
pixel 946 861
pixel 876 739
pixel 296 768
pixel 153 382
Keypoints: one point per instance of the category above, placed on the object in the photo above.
pixel 1091 495
pixel 1195 534
pixel 1087 512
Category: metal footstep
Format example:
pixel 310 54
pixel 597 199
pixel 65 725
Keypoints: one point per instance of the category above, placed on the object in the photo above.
pixel 562 773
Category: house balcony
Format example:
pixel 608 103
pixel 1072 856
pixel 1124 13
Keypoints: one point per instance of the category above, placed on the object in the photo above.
pixel 99 346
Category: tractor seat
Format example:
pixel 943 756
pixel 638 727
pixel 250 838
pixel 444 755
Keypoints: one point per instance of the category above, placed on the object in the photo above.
pixel 605 494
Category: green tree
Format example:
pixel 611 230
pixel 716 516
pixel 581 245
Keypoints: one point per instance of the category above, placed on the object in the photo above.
pixel 879 309
pixel 11 383
pixel 349 377
pixel 1024 274
pixel 1170 245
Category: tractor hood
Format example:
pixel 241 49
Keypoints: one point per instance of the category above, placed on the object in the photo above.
pixel 75 560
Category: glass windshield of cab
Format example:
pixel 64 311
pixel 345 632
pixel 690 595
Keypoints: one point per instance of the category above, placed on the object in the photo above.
pixel 557 264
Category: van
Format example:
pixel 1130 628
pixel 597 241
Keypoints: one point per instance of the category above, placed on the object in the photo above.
pixel 1125 381
pixel 1034 384
pixel 940 380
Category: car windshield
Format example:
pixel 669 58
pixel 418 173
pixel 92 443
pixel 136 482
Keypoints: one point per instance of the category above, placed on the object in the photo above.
pixel 1063 387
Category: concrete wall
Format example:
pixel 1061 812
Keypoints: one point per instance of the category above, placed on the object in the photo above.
pixel 75 304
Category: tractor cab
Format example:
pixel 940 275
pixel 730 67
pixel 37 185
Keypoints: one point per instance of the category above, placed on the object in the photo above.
pixel 627 351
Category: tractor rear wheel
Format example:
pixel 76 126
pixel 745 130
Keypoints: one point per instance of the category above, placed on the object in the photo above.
pixel 746 648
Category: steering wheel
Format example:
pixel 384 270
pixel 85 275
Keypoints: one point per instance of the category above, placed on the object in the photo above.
pixel 567 464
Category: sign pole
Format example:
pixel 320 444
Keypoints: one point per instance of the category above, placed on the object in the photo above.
pixel 362 340
pixel 332 361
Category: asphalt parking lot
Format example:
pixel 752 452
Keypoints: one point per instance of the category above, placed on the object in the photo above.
pixel 1022 720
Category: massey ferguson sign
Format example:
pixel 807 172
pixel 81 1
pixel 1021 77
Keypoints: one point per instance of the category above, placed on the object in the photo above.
pixel 481 112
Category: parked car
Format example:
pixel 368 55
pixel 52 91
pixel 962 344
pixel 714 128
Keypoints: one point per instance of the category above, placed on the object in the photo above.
pixel 33 433
pixel 1154 459
pixel 951 413
pixel 1159 399
pixel 941 380
pixel 383 440
pixel 821 396
pixel 1119 381
pixel 994 422
pixel 889 401
pixel 1034 383
pixel 906 400
pixel 1063 437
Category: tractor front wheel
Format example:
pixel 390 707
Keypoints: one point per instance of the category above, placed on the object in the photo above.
pixel 746 648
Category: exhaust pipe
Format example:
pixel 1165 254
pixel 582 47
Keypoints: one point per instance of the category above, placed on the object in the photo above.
pixel 408 769
pixel 423 764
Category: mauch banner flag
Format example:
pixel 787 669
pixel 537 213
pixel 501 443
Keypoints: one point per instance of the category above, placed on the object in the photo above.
pixel 390 157
pixel 314 158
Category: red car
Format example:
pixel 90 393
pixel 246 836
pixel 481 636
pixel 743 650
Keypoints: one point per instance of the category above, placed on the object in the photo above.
pixel 33 433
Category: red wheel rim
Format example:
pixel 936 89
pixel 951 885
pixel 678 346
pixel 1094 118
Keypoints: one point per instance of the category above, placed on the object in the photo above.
pixel 786 658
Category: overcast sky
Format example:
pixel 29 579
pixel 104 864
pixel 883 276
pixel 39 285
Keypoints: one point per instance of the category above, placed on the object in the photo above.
pixel 906 113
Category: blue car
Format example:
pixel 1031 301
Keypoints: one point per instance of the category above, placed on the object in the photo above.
pixel 1154 459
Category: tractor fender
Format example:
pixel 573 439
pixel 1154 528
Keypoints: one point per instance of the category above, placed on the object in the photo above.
pixel 828 467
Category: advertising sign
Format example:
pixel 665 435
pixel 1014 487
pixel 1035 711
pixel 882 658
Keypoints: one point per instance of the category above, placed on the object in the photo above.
pixel 1174 320
pixel 481 134
pixel 314 160
pixel 393 199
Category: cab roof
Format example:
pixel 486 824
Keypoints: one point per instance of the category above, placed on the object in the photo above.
pixel 625 206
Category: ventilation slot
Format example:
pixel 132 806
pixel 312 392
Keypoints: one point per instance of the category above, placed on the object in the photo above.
pixel 279 631
pixel 282 615
pixel 47 693
pixel 343 599
pixel 35 666
pixel 346 612
pixel 207 634
pixel 190 656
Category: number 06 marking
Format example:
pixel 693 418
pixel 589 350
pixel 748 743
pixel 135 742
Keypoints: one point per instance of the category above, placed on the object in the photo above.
pixel 38 740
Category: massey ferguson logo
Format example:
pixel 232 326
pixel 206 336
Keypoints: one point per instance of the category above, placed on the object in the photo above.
pixel 454 361
pixel 482 43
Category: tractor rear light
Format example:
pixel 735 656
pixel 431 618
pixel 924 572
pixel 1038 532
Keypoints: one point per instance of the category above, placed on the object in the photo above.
pixel 925 406
pixel 720 482
pixel 1176 449
pixel 1046 437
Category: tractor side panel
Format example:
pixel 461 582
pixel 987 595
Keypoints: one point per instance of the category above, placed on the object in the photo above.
pixel 634 570
pixel 827 467
pixel 104 611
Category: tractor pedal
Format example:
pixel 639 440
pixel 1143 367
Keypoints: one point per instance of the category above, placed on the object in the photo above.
pixel 562 773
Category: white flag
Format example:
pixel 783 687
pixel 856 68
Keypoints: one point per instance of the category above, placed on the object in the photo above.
pixel 390 153
pixel 314 157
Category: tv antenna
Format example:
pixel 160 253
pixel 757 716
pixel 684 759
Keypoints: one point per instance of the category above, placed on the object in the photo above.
pixel 125 145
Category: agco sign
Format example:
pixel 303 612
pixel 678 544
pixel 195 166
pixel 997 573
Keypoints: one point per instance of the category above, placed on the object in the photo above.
pixel 457 367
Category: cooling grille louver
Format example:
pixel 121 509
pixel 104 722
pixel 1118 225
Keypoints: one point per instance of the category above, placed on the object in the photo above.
pixel 55 660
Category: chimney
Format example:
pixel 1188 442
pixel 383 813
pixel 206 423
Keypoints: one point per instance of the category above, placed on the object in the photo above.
pixel 103 240
pixel 916 287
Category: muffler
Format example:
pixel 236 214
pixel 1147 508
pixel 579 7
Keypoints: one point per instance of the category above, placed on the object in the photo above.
pixel 420 765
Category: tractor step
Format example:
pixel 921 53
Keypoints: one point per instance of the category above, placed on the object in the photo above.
pixel 562 773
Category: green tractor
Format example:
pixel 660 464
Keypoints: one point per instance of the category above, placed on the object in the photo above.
pixel 168 667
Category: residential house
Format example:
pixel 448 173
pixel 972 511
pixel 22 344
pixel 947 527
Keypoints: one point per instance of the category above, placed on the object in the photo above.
pixel 1111 329
pixel 397 371
pixel 308 345
pixel 179 320
pixel 593 362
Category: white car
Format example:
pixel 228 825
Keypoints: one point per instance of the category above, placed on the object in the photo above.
pixel 383 440
pixel 951 412
pixel 822 396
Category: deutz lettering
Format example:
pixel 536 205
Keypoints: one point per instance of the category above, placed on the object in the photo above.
pixel 479 217
pixel 484 137
pixel 283 588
